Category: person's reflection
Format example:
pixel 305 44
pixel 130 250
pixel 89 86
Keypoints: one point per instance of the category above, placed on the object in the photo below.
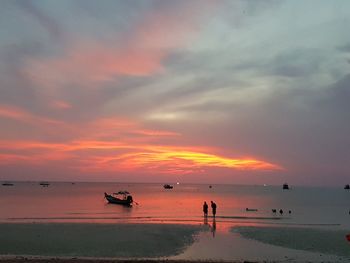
pixel 213 227
pixel 205 222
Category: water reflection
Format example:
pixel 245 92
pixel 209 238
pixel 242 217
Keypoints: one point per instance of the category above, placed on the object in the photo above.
pixel 205 222
pixel 213 227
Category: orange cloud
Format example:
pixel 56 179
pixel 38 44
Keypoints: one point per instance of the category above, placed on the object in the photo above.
pixel 117 156
pixel 13 158
pixel 18 114
pixel 156 133
pixel 177 158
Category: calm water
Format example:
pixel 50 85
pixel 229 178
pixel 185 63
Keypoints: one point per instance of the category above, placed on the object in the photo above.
pixel 84 202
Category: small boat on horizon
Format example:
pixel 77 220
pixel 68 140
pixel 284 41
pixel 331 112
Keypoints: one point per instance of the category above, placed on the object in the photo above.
pixel 120 198
pixel 7 184
pixel 44 184
pixel 347 187
pixel 168 186
pixel 285 186
pixel 251 209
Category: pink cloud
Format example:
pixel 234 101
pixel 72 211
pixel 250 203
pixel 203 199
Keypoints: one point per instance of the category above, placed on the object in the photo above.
pixel 61 105
pixel 140 52
pixel 18 114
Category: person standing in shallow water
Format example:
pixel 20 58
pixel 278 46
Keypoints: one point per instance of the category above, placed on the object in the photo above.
pixel 213 207
pixel 205 209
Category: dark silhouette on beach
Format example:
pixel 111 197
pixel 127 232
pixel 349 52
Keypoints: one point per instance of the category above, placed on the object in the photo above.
pixel 274 211
pixel 281 211
pixel 205 209
pixel 213 207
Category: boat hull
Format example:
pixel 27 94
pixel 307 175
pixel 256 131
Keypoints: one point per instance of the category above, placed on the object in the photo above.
pixel 113 200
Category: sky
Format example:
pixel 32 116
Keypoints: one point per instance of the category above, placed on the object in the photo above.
pixel 236 92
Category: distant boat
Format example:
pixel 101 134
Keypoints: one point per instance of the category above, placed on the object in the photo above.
pixel 168 186
pixel 44 184
pixel 120 198
pixel 210 186
pixel 7 184
pixel 251 209
pixel 285 186
pixel 347 187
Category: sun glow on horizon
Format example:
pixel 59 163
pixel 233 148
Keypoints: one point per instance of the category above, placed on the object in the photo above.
pixel 195 160
pixel 117 156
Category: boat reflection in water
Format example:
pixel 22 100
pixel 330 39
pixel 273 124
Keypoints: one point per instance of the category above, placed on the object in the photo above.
pixel 120 198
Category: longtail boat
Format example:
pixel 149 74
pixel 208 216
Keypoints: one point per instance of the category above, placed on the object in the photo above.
pixel 120 198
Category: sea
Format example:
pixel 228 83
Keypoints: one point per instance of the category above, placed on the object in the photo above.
pixel 85 202
pixel 242 212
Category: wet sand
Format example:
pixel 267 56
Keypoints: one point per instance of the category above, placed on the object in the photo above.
pixel 317 240
pixel 84 260
pixel 157 243
pixel 96 240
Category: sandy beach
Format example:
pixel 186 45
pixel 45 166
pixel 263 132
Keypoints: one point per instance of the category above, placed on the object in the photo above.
pixel 96 240
pixel 77 242
pixel 85 260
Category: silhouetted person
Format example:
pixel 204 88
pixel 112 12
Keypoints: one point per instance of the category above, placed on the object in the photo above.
pixel 205 209
pixel 281 211
pixel 289 212
pixel 274 211
pixel 213 207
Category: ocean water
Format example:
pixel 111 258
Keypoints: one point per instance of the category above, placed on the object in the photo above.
pixel 42 216
pixel 84 202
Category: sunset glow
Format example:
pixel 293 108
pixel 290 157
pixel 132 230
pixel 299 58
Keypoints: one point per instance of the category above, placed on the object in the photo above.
pixel 147 90
pixel 111 155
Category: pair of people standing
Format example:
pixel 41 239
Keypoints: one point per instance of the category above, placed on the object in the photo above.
pixel 205 208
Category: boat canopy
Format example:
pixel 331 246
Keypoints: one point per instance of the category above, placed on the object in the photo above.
pixel 122 193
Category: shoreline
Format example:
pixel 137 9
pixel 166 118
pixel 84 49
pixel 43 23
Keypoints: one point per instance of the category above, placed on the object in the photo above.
pixel 148 243
pixel 40 259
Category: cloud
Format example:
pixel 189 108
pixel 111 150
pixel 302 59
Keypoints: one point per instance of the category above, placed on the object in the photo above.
pixel 345 48
pixel 23 116
pixel 42 18
pixel 118 156
pixel 139 53
pixel 58 104
pixel 119 145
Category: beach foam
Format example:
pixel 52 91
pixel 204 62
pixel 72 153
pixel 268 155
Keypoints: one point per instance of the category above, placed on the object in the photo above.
pixel 96 240
pixel 309 239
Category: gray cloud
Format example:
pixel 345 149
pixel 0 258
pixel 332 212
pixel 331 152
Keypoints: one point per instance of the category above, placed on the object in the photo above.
pixel 344 48
pixel 296 63
pixel 43 19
